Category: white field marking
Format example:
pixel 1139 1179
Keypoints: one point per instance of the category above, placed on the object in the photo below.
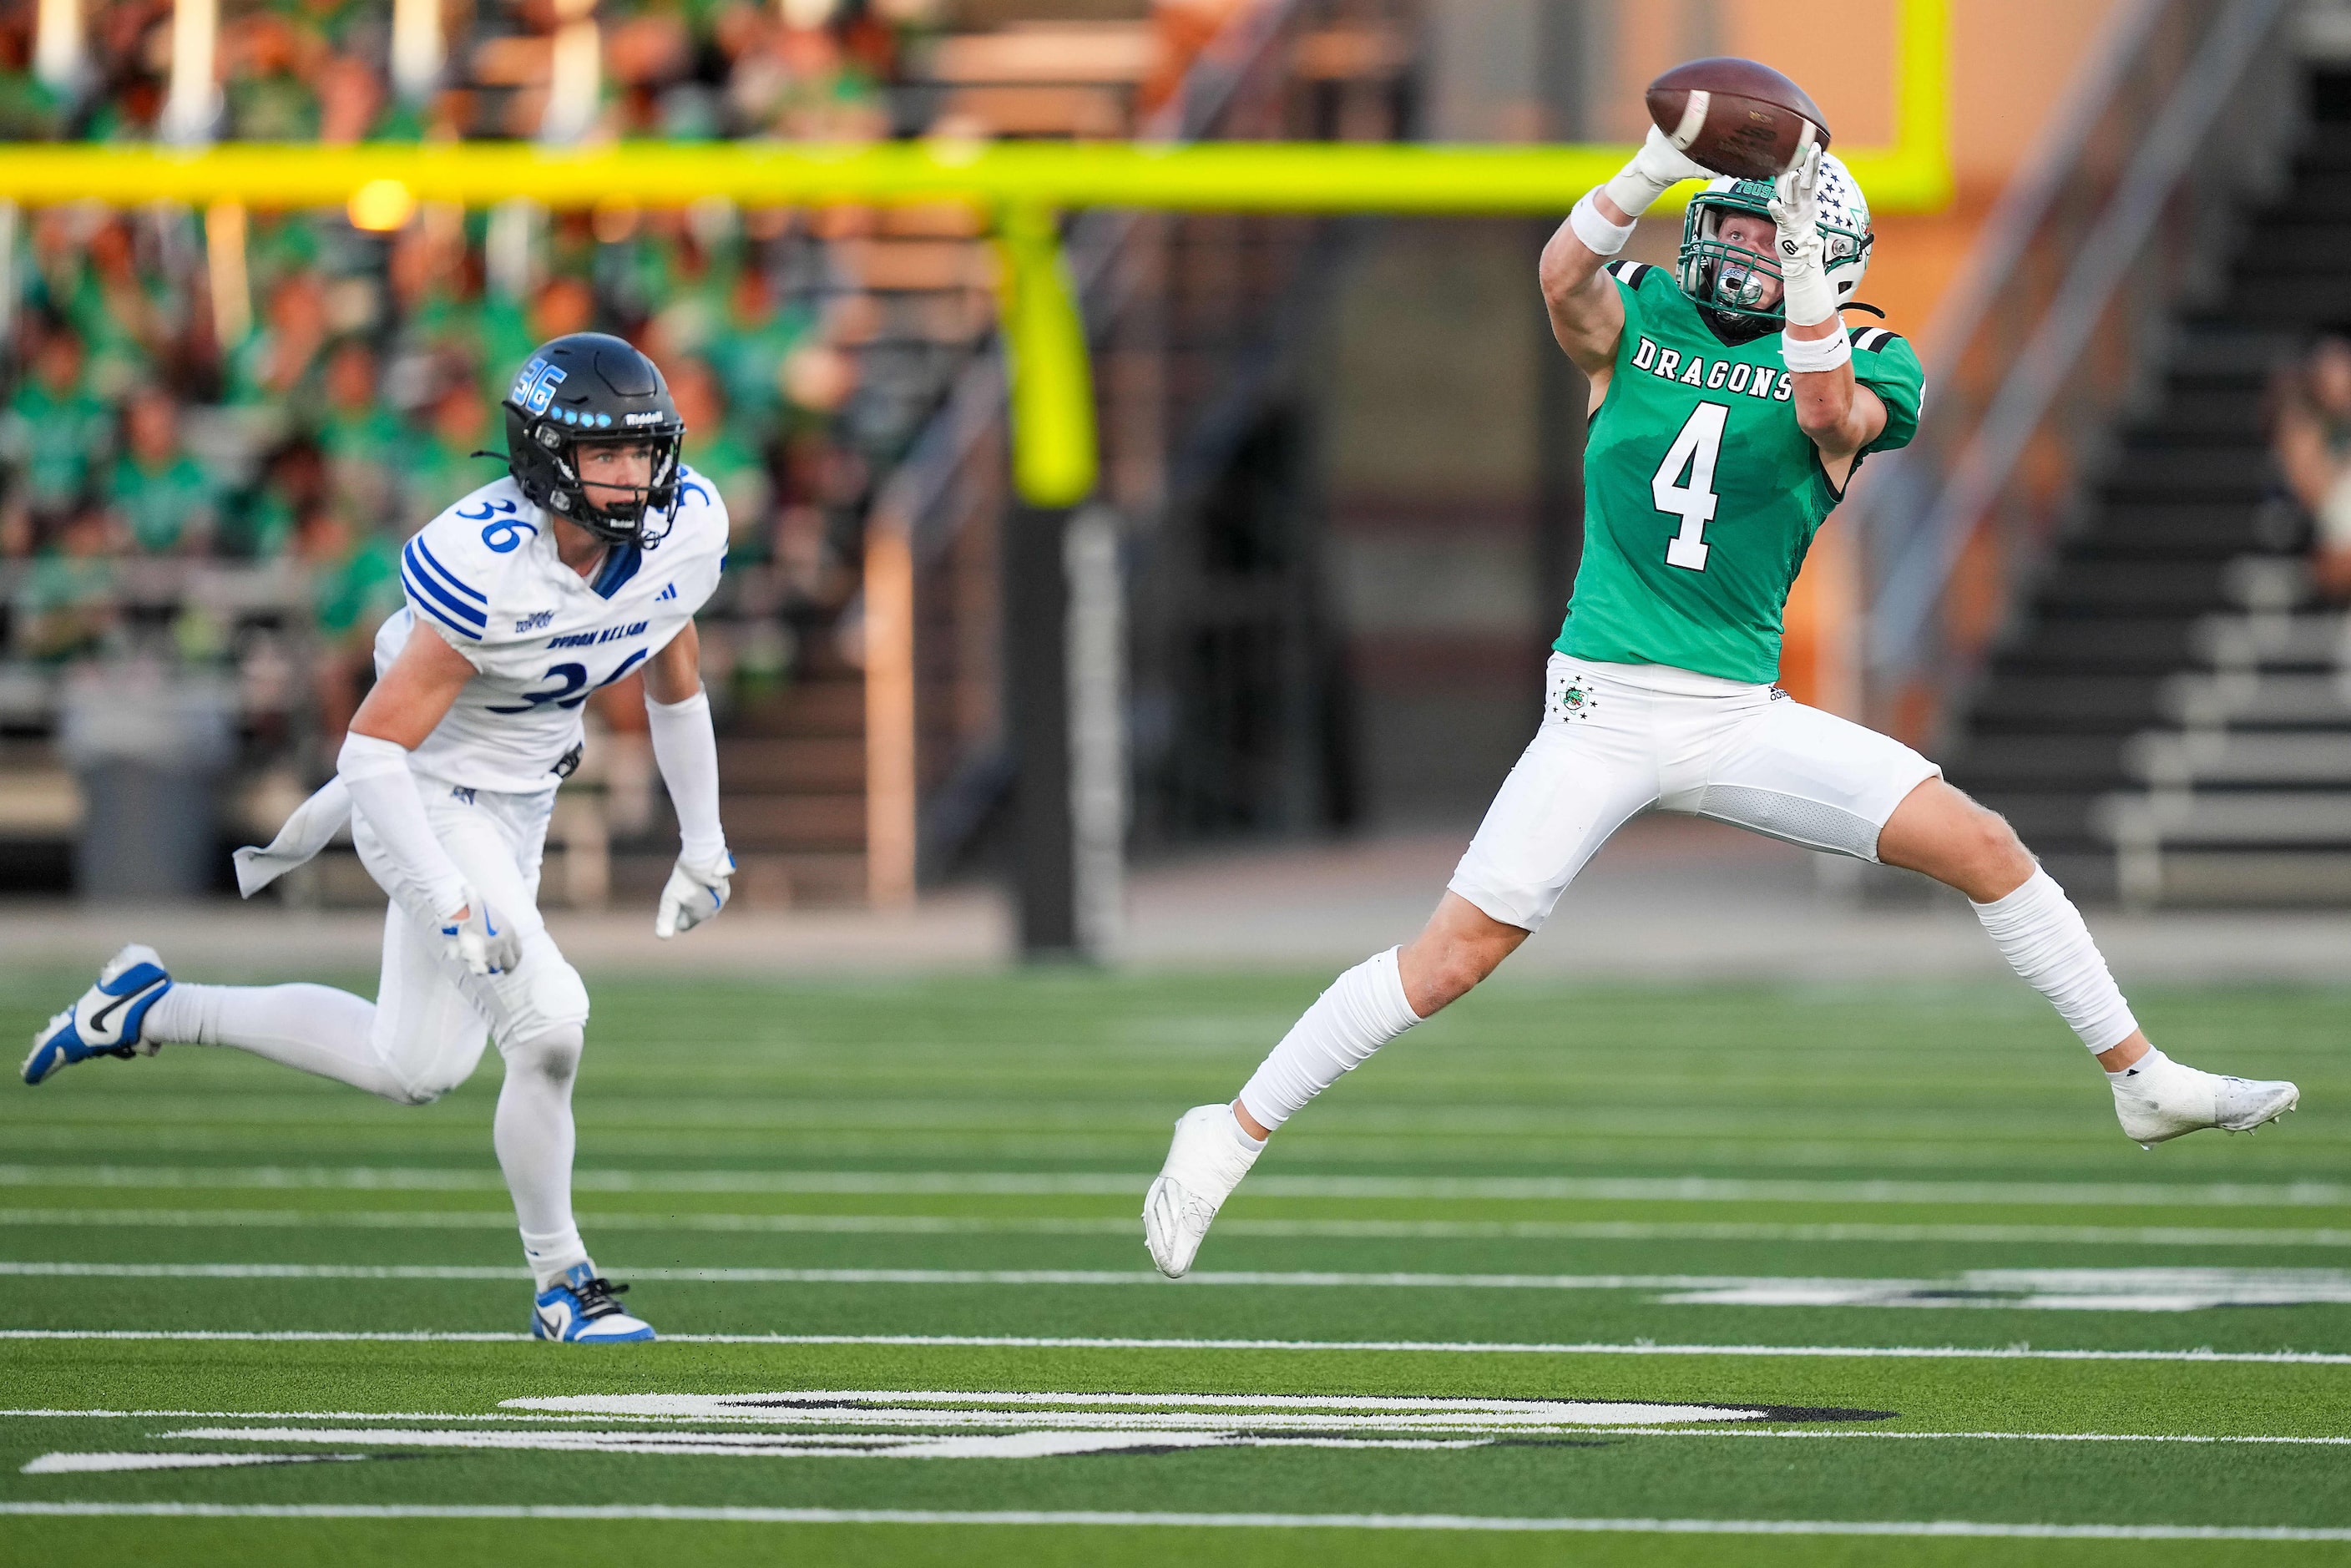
pixel 1250 1430
pixel 1047 1342
pixel 976 1225
pixel 1031 1444
pixel 2064 1290
pixel 1946 1528
pixel 1662 1190
pixel 1179 1412
pixel 1730 1429
pixel 80 1464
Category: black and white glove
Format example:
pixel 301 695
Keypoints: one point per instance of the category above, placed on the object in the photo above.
pixel 695 893
pixel 1655 167
pixel 474 938
pixel 1808 297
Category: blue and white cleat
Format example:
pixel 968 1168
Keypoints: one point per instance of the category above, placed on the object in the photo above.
pixel 578 1308
pixel 107 1021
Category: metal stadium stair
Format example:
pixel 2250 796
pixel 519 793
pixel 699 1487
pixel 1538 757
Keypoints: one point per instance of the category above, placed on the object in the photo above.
pixel 2171 721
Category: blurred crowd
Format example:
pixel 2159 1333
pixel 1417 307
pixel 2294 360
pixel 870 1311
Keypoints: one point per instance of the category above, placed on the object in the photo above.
pixel 333 70
pixel 162 476
pixel 201 404
pixel 323 70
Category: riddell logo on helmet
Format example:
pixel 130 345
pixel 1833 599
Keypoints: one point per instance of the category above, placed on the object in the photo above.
pixel 650 416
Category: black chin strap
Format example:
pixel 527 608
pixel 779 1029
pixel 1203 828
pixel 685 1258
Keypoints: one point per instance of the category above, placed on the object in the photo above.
pixel 1734 332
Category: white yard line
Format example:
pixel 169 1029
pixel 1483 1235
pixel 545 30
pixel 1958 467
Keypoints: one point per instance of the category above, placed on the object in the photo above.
pixel 1026 1342
pixel 2068 1290
pixel 1412 1229
pixel 1436 1522
pixel 80 1271
pixel 1666 1190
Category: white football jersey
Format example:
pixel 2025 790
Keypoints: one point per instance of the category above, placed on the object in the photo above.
pixel 486 577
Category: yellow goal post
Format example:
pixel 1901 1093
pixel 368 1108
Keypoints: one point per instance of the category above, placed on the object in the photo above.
pixel 1024 186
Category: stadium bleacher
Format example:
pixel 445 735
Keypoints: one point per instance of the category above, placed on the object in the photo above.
pixel 219 425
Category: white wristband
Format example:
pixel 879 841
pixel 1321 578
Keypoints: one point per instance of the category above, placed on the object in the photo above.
pixel 1815 353
pixel 1600 236
pixel 383 792
pixel 686 748
pixel 1808 297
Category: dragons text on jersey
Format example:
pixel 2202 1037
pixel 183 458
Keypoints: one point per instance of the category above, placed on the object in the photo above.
pixel 1700 493
pixel 484 575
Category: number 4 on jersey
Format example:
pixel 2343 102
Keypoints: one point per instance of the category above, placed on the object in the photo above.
pixel 1692 455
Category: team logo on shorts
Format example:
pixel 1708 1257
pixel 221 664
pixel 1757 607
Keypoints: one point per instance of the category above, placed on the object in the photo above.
pixel 1576 702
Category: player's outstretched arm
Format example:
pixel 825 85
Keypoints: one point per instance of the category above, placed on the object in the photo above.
pixel 686 748
pixel 1586 316
pixel 413 695
pixel 1837 412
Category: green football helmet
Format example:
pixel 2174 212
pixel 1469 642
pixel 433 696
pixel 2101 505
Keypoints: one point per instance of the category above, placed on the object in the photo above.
pixel 1728 281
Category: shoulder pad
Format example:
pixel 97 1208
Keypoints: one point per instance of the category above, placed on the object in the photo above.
pixel 701 511
pixel 1873 339
pixel 451 568
pixel 1631 273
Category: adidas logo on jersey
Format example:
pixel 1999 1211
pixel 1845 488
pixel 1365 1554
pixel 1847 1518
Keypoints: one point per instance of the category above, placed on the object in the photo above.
pixel 1724 375
pixel 669 590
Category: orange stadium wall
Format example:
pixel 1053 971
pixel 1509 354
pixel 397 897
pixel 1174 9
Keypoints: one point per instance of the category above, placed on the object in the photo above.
pixel 1430 376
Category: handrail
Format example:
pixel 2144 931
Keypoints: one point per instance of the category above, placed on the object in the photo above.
pixel 1922 511
pixel 2056 155
pixel 976 400
pixel 1916 586
pixel 946 482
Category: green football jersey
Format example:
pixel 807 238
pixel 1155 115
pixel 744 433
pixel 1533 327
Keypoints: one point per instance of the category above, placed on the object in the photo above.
pixel 1700 494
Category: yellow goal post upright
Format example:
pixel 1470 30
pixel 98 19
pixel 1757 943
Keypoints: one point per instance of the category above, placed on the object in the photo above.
pixel 1024 187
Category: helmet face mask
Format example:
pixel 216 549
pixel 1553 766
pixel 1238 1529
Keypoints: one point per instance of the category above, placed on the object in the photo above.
pixel 587 390
pixel 1728 282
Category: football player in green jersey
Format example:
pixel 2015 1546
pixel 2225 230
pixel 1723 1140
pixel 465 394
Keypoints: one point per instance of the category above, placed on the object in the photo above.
pixel 1731 406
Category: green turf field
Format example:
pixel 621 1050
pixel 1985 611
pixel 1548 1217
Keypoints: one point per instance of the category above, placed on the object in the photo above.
pixel 1568 1275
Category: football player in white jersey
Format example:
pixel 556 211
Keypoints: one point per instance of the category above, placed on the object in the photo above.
pixel 585 564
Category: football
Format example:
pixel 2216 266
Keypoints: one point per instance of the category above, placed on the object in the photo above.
pixel 1736 116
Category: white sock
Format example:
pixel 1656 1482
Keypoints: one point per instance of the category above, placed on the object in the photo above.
pixel 534 1136
pixel 314 1027
pixel 2041 935
pixel 1363 1009
pixel 1241 1136
pixel 2148 1068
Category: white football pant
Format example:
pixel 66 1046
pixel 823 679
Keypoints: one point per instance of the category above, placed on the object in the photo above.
pixel 1620 739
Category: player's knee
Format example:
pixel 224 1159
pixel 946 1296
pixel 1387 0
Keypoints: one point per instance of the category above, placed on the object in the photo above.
pixel 1990 843
pixel 1453 973
pixel 553 1055
pixel 1990 859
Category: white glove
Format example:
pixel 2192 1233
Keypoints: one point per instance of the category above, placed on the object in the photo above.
pixel 1808 297
pixel 1656 166
pixel 474 938
pixel 694 894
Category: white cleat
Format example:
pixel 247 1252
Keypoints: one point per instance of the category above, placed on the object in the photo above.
pixel 1204 1163
pixel 2160 1099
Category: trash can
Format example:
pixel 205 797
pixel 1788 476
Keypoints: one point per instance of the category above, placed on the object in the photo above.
pixel 149 753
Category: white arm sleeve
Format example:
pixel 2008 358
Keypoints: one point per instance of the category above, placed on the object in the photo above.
pixel 687 750
pixel 384 791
